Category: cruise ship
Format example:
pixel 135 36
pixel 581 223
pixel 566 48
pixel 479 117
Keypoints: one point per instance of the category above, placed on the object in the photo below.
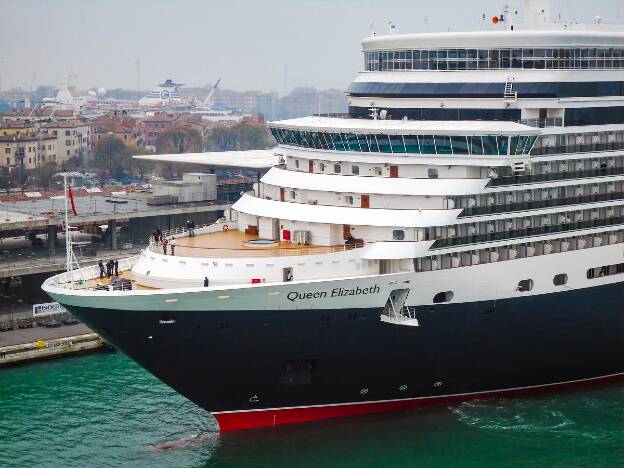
pixel 458 235
pixel 163 95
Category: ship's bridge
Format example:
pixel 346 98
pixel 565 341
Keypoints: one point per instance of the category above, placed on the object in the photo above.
pixel 473 138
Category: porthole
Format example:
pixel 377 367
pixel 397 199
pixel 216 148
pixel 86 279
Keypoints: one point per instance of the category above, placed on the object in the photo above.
pixel 560 279
pixel 525 285
pixel 441 297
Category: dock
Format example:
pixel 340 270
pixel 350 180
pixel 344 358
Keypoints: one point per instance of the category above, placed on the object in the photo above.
pixel 22 346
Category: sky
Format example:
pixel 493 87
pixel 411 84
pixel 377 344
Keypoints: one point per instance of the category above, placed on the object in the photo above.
pixel 250 44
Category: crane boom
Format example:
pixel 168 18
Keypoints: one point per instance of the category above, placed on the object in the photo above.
pixel 211 92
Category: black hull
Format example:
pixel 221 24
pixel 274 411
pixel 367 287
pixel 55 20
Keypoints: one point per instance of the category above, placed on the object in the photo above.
pixel 228 361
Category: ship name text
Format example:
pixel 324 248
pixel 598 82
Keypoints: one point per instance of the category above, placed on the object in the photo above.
pixel 336 292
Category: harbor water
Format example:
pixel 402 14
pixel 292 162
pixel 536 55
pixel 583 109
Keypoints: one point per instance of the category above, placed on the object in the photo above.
pixel 104 410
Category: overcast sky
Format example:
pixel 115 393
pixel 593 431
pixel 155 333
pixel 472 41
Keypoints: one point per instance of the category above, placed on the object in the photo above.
pixel 248 43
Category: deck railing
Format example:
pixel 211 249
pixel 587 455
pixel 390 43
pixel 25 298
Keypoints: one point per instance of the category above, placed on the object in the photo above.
pixel 79 279
pixel 223 252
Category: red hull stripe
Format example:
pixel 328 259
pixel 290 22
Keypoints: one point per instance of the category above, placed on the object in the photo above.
pixel 234 421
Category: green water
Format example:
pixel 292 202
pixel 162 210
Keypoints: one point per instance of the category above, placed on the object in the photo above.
pixel 103 410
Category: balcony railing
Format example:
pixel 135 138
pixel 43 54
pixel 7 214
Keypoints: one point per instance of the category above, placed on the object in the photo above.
pixel 535 204
pixel 553 176
pixel 527 232
pixel 581 148
pixel 543 123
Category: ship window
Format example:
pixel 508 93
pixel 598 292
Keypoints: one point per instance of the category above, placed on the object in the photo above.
pixel 337 168
pixel 432 173
pixel 297 163
pixel 441 297
pixel 560 279
pixel 606 270
pixel 398 234
pixel 525 285
pixel 349 200
pixel 355 170
pixel 322 167
pixel 426 144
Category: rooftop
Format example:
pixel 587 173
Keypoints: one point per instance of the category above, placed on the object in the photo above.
pixel 252 159
pixel 608 35
pixel 26 137
pixel 70 123
pixel 442 127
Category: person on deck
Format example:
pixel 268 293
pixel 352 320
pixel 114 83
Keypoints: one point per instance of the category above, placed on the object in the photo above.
pixel 164 244
pixel 102 271
pixel 173 244
pixel 116 264
pixel 206 282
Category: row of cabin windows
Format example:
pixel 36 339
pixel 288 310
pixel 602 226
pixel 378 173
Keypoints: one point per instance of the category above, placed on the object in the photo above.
pixel 524 285
pixel 473 59
pixel 550 195
pixel 432 173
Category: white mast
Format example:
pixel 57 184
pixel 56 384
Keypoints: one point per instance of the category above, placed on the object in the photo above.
pixel 68 252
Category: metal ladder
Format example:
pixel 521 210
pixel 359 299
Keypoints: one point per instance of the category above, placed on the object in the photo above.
pixel 510 95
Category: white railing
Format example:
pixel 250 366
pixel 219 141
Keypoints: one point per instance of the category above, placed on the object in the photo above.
pixel 404 316
pixel 184 231
pixel 79 279
pixel 222 252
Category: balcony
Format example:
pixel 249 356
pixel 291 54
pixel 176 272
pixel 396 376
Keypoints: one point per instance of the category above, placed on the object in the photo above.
pixel 553 176
pixel 527 232
pixel 532 205
pixel 580 148
pixel 543 123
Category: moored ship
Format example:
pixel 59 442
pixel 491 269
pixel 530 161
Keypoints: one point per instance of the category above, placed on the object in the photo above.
pixel 458 235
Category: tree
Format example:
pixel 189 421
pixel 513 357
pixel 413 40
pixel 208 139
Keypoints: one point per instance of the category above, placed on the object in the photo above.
pixel 179 140
pixel 113 157
pixel 108 155
pixel 44 174
pixel 223 138
pixel 252 136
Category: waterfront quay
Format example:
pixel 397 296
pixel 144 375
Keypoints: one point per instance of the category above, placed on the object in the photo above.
pixel 32 244
pixel 111 224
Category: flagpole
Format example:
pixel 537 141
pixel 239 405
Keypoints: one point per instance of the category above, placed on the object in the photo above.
pixel 68 252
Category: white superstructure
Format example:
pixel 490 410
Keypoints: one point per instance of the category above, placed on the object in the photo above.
pixel 496 154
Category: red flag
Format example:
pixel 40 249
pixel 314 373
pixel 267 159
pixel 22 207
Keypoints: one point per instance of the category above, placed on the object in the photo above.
pixel 71 199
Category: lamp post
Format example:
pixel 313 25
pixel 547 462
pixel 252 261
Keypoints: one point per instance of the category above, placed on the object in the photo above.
pixel 110 164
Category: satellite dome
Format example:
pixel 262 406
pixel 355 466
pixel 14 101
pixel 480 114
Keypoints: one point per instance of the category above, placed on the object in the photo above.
pixel 92 93
pixel 101 92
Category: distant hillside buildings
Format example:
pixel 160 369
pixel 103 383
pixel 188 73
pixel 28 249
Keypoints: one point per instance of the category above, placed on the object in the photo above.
pixel 300 102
